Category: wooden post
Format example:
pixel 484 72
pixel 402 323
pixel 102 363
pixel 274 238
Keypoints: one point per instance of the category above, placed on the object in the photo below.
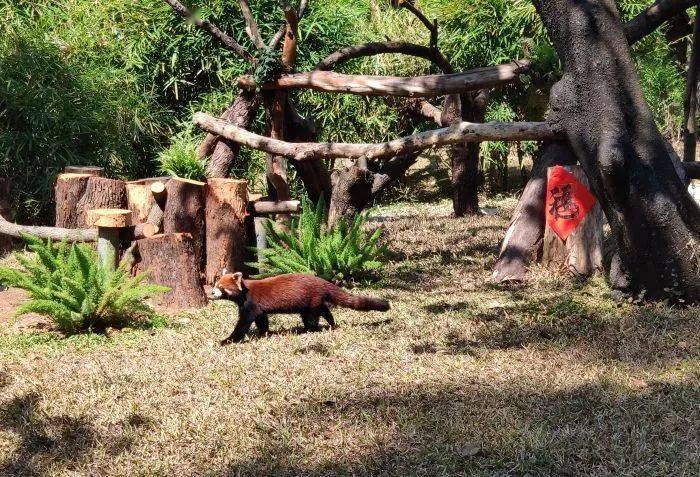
pixel 226 204
pixel 581 253
pixel 172 263
pixel 89 170
pixel 184 212
pixel 109 222
pixel 260 237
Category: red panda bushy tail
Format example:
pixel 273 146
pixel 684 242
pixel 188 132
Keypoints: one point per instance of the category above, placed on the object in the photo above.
pixel 359 303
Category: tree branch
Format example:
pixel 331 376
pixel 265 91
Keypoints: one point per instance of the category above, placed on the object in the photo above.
pixel 377 48
pixel 274 41
pixel 464 131
pixel 418 86
pixel 431 26
pixel 653 17
pixel 211 29
pixel 251 26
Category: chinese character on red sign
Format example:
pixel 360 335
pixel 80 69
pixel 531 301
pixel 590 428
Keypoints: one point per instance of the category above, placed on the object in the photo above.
pixel 568 202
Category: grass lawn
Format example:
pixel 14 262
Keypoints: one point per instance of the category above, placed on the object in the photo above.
pixel 460 377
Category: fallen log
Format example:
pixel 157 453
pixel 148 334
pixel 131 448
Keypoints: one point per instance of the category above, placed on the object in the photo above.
pixel 53 233
pixel 416 86
pixel 304 151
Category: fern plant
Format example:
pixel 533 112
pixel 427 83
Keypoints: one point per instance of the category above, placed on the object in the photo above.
pixel 69 284
pixel 344 254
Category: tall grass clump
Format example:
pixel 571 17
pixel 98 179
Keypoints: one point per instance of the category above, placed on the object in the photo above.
pixel 68 284
pixel 344 254
pixel 180 159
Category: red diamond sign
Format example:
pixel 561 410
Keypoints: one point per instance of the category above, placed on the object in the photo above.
pixel 568 201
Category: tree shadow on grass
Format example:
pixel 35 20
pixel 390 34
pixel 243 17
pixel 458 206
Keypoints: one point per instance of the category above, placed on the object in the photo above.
pixel 487 428
pixel 48 443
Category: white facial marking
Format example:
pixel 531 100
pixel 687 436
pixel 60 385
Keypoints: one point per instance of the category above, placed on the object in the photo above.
pixel 216 293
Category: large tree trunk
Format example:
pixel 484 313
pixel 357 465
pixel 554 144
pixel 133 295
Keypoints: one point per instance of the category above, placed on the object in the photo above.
pixel 600 107
pixel 314 174
pixel 523 240
pixel 465 156
pixel 222 151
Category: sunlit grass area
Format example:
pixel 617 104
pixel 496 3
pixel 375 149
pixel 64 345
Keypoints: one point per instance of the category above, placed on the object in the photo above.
pixel 460 377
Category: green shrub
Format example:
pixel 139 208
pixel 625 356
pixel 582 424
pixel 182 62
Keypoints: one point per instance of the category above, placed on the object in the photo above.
pixel 344 254
pixel 69 285
pixel 180 159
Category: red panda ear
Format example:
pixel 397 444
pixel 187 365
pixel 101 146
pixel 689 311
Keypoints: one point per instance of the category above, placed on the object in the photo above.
pixel 238 277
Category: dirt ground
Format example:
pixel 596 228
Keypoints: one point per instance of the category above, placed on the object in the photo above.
pixel 10 299
pixel 460 377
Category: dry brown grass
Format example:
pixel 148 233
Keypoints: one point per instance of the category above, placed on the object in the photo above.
pixel 460 377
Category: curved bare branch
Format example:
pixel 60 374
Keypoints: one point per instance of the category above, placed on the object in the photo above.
pixel 464 131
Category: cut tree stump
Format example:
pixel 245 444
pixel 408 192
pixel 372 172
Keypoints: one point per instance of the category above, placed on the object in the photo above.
pixel 226 204
pixel 581 254
pixel 69 189
pixel 184 212
pixel 100 193
pixel 172 262
pixel 90 170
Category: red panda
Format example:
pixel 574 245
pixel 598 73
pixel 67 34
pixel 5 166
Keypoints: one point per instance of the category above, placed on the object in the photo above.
pixel 292 293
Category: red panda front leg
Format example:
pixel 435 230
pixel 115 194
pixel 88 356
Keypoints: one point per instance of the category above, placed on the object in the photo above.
pixel 247 314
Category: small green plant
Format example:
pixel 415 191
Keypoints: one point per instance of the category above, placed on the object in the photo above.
pixel 344 254
pixel 180 159
pixel 68 284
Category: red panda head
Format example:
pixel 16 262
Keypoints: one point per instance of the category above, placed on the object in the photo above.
pixel 228 287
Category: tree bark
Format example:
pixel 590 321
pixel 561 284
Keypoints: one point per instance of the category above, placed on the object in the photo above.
pixel 184 213
pixel 351 193
pixel 523 238
pixel 69 188
pixel 172 262
pixel 222 151
pixel 690 103
pixel 601 109
pixel 465 156
pixel 416 86
pixel 653 16
pixel 464 131
pixel 101 193
pixel 314 174
pixel 227 201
